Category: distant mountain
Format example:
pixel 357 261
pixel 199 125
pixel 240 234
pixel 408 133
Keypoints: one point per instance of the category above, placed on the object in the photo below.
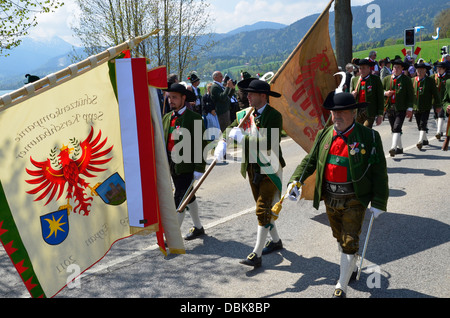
pixel 243 46
pixel 31 54
pixel 396 16
pixel 255 48
pixel 33 57
pixel 262 25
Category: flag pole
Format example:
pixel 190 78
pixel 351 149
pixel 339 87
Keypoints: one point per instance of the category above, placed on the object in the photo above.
pixel 207 172
pixel 52 80
pixel 273 79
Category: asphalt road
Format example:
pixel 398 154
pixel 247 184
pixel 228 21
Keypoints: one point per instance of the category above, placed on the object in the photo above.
pixel 407 255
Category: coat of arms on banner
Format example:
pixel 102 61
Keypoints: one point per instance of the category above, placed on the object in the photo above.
pixel 55 227
pixel 71 166
pixel 112 190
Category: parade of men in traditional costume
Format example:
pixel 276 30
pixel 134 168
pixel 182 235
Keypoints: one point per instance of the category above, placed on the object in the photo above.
pixel 119 146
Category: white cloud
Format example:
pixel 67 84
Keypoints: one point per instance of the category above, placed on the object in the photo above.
pixel 238 13
pixel 56 23
pixel 232 14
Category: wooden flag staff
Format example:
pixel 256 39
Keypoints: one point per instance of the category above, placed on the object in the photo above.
pixel 205 175
pixel 67 73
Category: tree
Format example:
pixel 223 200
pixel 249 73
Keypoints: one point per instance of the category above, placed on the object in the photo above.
pixel 343 31
pixel 106 23
pixel 18 16
pixel 183 27
pixel 193 24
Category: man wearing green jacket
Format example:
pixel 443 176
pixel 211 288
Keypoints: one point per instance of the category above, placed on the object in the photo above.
pixel 367 88
pixel 426 96
pixel 183 135
pixel 441 77
pixel 398 92
pixel 446 106
pixel 262 161
pixel 351 172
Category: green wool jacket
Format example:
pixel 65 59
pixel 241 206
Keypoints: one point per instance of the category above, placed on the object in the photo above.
pixel 446 98
pixel 426 94
pixel 270 118
pixel 367 168
pixel 441 83
pixel 403 92
pixel 197 144
pixel 374 94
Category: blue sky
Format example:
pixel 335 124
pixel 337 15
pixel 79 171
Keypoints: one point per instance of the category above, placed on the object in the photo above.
pixel 227 15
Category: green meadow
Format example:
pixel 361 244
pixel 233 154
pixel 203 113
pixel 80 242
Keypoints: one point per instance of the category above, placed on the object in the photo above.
pixel 430 50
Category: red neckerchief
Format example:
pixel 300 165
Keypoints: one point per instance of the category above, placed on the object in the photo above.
pixel 362 90
pixel 339 147
pixel 394 87
pixel 173 119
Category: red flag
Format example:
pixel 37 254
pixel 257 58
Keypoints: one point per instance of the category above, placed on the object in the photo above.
pixel 417 51
pixel 157 77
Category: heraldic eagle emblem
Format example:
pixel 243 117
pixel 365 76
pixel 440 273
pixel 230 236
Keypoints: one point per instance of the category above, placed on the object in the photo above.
pixel 71 164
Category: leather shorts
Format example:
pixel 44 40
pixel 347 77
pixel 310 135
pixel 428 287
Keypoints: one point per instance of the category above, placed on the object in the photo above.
pixel 346 215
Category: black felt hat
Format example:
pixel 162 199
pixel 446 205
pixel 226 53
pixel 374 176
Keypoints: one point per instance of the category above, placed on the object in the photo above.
pixel 400 62
pixel 193 78
pixel 442 64
pixel 423 65
pixel 341 101
pixel 257 86
pixel 364 62
pixel 179 88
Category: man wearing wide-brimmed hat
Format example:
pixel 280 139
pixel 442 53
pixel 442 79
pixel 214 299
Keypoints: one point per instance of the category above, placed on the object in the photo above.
pixel 426 96
pixel 262 161
pixel 351 172
pixel 441 77
pixel 195 82
pixel 385 65
pixel 367 88
pixel 179 134
pixel 398 92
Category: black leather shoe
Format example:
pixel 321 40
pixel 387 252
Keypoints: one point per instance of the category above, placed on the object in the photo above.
pixel 339 293
pixel 425 142
pixel 392 152
pixel 194 233
pixel 399 151
pixel 252 260
pixel 271 247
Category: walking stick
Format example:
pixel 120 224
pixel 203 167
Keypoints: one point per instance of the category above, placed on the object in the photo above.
pixel 365 246
pixel 207 172
pixel 185 195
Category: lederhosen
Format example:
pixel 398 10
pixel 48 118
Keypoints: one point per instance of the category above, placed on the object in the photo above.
pixel 395 117
pixel 263 190
pixel 345 212
pixel 181 181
